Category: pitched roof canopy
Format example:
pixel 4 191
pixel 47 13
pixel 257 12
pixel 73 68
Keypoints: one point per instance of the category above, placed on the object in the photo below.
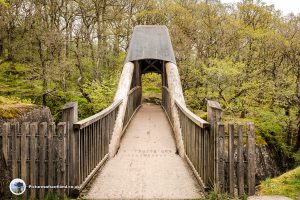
pixel 150 42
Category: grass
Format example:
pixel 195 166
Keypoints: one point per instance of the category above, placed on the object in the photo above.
pixel 287 184
pixel 11 107
pixel 216 194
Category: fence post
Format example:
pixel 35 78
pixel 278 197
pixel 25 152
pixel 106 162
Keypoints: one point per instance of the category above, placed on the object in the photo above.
pixel 240 159
pixel 70 116
pixel 51 146
pixel 214 112
pixel 251 158
pixel 5 132
pixel 231 158
pixel 33 127
pixel 42 155
pixel 220 155
pixel 14 160
pixel 61 134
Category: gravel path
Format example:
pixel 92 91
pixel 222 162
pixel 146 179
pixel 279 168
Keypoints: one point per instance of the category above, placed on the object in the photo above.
pixel 146 166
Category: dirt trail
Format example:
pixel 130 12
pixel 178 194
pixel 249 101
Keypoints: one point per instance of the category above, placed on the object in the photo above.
pixel 146 166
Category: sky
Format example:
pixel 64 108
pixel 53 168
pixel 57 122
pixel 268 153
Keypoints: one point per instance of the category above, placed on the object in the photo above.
pixel 286 6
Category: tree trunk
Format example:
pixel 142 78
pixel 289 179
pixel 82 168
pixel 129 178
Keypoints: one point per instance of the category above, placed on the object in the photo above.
pixel 297 146
pixel 1 47
pixel 44 72
pixel 289 135
pixel 81 77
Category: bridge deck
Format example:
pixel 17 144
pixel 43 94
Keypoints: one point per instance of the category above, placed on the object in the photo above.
pixel 146 165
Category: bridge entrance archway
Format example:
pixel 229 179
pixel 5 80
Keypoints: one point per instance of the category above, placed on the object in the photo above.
pixel 145 66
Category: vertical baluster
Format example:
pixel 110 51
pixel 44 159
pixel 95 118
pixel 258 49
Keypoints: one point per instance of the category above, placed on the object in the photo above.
pixel 33 131
pixel 42 132
pixel 221 159
pixel 24 155
pixel 51 146
pixel 231 157
pixel 240 158
pixel 251 158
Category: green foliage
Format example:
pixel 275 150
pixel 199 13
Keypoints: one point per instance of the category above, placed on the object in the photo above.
pixel 101 93
pixel 151 83
pixel 4 3
pixel 16 81
pixel 270 126
pixel 287 184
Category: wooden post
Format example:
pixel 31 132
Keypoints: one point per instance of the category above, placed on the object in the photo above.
pixel 33 131
pixel 24 156
pixel 240 158
pixel 70 116
pixel 70 113
pixel 51 146
pixel 6 130
pixel 231 157
pixel 214 113
pixel 76 156
pixel 251 158
pixel 221 159
pixel 61 132
pixel 42 156
pixel 14 161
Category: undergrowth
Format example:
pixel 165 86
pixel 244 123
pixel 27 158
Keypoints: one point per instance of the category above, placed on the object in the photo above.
pixel 287 184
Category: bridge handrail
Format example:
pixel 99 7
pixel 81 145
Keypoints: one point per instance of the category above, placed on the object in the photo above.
pixel 89 143
pixel 92 136
pixel 133 89
pixel 133 103
pixel 197 120
pixel 87 121
pixel 196 137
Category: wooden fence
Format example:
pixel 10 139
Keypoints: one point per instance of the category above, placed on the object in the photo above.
pixel 36 153
pixel 63 156
pixel 234 165
pixel 217 159
pixel 239 163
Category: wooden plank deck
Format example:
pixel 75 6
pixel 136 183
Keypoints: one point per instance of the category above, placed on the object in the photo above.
pixel 146 165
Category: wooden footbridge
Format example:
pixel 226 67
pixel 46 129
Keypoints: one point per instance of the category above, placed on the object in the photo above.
pixel 132 149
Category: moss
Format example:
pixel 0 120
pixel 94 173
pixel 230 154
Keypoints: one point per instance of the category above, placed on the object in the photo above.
pixel 13 107
pixel 288 184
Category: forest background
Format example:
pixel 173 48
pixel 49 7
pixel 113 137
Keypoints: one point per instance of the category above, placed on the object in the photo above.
pixel 244 55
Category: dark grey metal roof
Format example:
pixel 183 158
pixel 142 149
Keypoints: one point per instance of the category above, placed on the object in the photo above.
pixel 150 42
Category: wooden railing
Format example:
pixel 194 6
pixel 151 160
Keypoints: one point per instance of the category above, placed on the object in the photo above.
pixel 133 103
pixel 196 138
pixel 205 147
pixel 198 143
pixel 92 136
pixel 166 102
pixel 91 139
